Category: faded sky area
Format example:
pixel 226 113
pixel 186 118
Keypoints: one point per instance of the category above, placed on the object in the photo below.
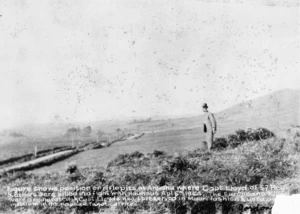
pixel 65 61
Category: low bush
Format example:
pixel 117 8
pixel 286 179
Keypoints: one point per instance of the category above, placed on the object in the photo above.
pixel 179 164
pixel 240 137
pixel 220 143
pixel 157 153
pixel 133 158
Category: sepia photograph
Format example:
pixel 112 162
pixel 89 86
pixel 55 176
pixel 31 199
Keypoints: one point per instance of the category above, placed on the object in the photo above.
pixel 149 107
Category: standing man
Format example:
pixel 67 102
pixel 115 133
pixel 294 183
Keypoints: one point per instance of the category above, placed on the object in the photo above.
pixel 210 126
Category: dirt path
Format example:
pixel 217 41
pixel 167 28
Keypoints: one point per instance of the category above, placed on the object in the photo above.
pixel 35 161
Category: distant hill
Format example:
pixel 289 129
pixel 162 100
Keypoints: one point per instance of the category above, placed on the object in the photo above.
pixel 275 111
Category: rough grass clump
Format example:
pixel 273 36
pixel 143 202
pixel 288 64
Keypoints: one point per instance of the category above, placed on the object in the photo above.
pixel 220 143
pixel 157 153
pixel 73 173
pixel 269 159
pixel 12 176
pixel 240 137
pixel 198 154
pixel 126 159
pixel 179 164
pixel 259 134
pixel 294 132
pixel 136 179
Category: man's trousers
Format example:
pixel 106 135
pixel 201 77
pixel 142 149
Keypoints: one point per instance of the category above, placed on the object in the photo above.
pixel 209 139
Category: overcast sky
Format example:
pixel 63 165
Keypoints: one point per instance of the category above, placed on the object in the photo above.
pixel 90 60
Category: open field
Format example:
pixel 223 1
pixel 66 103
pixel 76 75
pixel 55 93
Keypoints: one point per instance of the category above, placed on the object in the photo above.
pixel 277 112
pixel 180 134
pixel 267 160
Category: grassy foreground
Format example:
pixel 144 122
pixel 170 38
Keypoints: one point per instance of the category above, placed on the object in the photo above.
pixel 246 158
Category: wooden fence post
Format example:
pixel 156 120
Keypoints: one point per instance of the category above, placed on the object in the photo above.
pixel 72 142
pixel 35 151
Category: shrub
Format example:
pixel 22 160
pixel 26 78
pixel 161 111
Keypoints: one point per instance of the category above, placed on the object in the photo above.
pixel 136 154
pixel 220 144
pixel 179 164
pixel 127 159
pixel 259 134
pixel 71 168
pixel 240 137
pixel 5 204
pixel 73 173
pixel 293 132
pixel 157 153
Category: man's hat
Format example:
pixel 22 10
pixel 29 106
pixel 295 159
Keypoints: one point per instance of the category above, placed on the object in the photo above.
pixel 204 105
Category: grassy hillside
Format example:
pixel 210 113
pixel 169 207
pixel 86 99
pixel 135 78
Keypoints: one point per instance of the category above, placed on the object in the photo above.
pixel 245 161
pixel 276 111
